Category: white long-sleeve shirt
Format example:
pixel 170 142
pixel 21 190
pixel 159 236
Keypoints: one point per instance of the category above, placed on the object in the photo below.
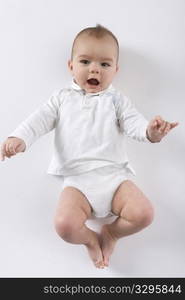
pixel 90 129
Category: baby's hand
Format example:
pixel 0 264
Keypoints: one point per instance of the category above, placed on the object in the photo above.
pixel 158 128
pixel 11 147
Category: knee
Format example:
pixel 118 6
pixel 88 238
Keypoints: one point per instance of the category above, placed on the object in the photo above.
pixel 65 228
pixel 145 216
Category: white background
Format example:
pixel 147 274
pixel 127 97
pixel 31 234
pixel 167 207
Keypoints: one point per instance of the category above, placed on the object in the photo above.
pixel 35 42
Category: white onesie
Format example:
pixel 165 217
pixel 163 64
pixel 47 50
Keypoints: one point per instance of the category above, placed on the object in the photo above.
pixel 90 130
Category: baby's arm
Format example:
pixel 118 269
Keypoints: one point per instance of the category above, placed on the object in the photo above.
pixel 137 127
pixel 131 122
pixel 37 124
pixel 11 147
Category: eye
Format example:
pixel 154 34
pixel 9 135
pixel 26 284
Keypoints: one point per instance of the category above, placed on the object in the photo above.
pixel 104 64
pixel 84 61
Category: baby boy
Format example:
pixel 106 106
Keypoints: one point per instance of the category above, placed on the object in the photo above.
pixel 91 120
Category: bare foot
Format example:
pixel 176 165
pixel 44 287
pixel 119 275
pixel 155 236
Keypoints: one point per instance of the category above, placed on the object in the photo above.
pixel 95 253
pixel 107 243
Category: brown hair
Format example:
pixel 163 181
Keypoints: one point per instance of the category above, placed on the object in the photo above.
pixel 98 32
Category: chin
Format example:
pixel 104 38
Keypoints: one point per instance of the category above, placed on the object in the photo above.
pixel 94 89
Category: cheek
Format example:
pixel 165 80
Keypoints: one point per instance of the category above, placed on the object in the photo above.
pixel 82 73
pixel 76 71
pixel 109 75
pixel 113 73
pixel 80 76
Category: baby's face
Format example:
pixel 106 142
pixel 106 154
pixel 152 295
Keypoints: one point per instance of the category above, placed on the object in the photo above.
pixel 94 63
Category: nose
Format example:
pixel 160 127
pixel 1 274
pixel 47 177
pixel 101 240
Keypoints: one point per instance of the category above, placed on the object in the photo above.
pixel 94 68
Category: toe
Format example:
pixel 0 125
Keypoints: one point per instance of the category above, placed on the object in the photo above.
pixel 106 262
pixel 99 264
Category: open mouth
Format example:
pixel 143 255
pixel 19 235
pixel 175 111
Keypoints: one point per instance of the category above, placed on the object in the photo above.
pixel 93 81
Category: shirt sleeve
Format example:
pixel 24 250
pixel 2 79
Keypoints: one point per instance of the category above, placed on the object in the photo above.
pixel 131 122
pixel 39 122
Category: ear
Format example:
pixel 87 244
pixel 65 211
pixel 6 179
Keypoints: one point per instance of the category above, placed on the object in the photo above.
pixel 117 68
pixel 70 65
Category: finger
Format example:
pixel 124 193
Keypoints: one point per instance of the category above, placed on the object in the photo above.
pixel 163 126
pixel 158 117
pixel 153 124
pixel 18 148
pixel 1 156
pixel 6 149
pixel 174 124
pixel 1 153
pixel 10 149
pixel 159 123
pixel 6 153
pixel 159 120
pixel 167 128
pixel 21 147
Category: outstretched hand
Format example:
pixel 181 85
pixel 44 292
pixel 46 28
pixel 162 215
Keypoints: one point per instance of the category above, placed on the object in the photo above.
pixel 158 128
pixel 11 147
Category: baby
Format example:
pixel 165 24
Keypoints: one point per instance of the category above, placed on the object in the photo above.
pixel 91 120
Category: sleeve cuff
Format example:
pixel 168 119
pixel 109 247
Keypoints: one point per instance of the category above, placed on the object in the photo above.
pixel 144 133
pixel 17 134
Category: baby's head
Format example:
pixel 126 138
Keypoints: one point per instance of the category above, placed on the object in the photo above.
pixel 94 58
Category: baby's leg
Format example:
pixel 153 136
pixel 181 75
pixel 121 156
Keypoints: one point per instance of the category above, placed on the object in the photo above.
pixel 135 212
pixel 72 212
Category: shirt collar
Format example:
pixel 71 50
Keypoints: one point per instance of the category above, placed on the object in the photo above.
pixel 76 87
